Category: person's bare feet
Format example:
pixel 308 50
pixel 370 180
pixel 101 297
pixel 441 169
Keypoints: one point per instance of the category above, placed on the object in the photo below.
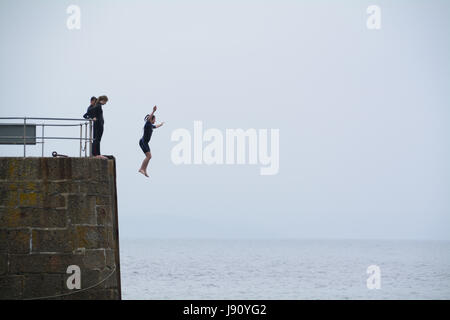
pixel 143 172
pixel 101 157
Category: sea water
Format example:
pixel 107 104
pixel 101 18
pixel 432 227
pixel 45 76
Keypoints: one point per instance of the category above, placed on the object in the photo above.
pixel 283 269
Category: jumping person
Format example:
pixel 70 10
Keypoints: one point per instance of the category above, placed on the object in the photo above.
pixel 150 120
pixel 96 113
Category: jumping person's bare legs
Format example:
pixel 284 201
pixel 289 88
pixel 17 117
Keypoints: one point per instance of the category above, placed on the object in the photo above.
pixel 144 165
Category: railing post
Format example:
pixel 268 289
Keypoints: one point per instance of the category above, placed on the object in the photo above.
pixel 43 139
pixel 81 137
pixel 85 139
pixel 24 138
pixel 90 138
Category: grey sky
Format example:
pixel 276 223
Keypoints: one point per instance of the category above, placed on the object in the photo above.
pixel 363 115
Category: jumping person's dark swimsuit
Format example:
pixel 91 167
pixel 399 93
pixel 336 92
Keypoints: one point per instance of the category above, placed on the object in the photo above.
pixel 148 130
pixel 96 112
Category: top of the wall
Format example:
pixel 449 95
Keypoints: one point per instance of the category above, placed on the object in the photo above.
pixel 35 168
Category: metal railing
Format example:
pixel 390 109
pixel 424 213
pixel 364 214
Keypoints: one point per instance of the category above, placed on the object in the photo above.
pixel 26 138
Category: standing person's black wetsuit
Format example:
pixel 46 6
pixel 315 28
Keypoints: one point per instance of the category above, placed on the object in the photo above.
pixel 96 112
pixel 148 130
pixel 89 110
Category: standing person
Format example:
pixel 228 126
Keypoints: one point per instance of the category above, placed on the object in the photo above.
pixel 93 103
pixel 96 113
pixel 150 120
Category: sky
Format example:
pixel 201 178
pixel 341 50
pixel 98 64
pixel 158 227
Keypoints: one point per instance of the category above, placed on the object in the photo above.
pixel 363 114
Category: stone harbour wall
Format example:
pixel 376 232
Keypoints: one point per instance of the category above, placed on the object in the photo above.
pixel 56 213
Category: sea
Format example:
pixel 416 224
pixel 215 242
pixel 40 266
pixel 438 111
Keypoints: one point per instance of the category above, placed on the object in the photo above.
pixel 284 269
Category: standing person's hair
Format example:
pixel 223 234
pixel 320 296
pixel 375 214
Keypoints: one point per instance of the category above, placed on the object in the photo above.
pixel 102 98
pixel 93 99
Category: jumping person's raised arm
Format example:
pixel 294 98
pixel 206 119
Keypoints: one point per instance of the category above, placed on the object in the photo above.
pixel 151 114
pixel 158 125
